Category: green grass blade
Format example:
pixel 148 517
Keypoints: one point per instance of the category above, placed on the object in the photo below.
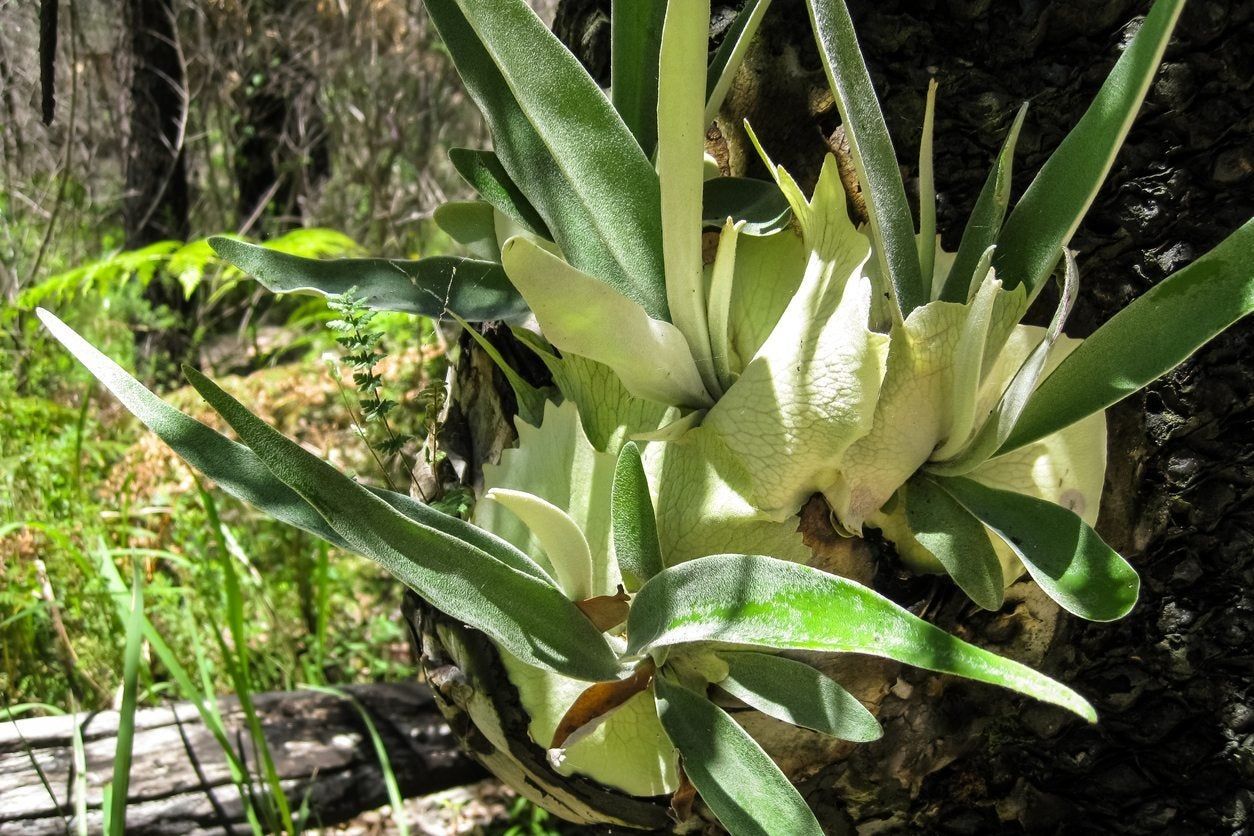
pixel 635 44
pixel 1145 340
pixel 1063 554
pixel 739 781
pixel 562 143
pixel 115 811
pixel 484 172
pixel 240 666
pixel 892 228
pixel 730 54
pixel 957 539
pixel 474 290
pixel 927 191
pixel 632 520
pixel 201 699
pixel 986 219
pixel 798 694
pixel 528 617
pixel 680 167
pixel 395 800
pixel 1051 209
pixel 765 602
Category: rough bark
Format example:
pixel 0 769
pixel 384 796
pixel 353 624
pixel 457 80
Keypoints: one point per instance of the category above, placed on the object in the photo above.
pixel 1172 681
pixel 180 781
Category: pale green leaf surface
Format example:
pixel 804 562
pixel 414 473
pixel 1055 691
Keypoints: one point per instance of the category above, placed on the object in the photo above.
pixel 739 781
pixel 699 513
pixel 958 541
pixel 727 365
pixel 1146 339
pixel 1064 555
pixel 798 694
pixel 471 223
pixel 680 169
pixel 555 462
pixel 915 412
pixel 527 616
pixel 581 315
pixel 610 413
pixel 561 142
pixel 892 227
pixel 768 272
pixel 968 368
pixel 474 290
pixel 485 174
pixel 811 390
pixel 764 602
pixel 628 751
pixel 560 538
pixel 633 523
pixel 1044 219
pixel 985 221
pixel 729 55
pixel 958 457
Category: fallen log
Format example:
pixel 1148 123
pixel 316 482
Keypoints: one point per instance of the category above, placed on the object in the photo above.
pixel 180 778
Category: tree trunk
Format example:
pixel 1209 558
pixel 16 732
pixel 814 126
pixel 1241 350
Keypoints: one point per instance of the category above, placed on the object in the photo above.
pixel 283 146
pixel 1171 681
pixel 156 173
pixel 180 781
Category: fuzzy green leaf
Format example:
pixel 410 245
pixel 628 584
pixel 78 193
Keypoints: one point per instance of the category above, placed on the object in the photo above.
pixel 758 203
pixel 892 227
pixel 760 601
pixel 739 781
pixel 560 140
pixel 232 466
pixel 237 470
pixel 529 618
pixel 632 520
pixel 1061 552
pixel 957 539
pixel 484 172
pixel 1051 209
pixel 636 41
pixel 474 290
pixel 1145 340
pixel 797 693
pixel 985 221
pixel 471 223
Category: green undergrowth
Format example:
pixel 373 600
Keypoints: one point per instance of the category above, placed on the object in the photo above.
pixel 80 482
